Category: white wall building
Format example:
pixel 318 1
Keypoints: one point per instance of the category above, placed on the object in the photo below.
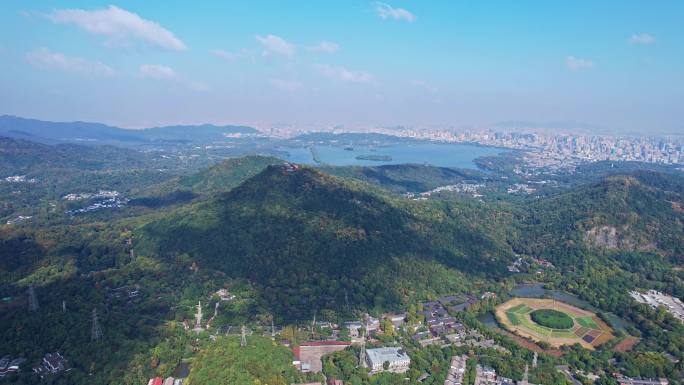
pixel 398 360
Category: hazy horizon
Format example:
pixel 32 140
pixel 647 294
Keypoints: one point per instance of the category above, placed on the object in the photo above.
pixel 561 128
pixel 613 66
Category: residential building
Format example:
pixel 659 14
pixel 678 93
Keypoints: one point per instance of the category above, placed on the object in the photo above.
pixel 485 375
pixel 456 371
pixel 354 327
pixel 397 359
pixel 8 365
pixel 624 380
pixel 396 319
pixel 225 295
pixel 372 324
pixel 51 363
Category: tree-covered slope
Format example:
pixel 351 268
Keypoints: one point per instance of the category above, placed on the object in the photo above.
pixel 307 236
pixel 641 212
pixel 408 177
pixel 220 177
pixel 19 157
pixel 262 361
pixel 227 174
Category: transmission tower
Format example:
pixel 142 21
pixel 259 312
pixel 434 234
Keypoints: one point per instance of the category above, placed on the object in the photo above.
pixel 243 339
pixel 96 333
pixel 198 318
pixel 272 329
pixel 33 302
pixel 362 353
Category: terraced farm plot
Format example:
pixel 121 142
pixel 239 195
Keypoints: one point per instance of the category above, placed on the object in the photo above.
pixel 585 327
pixel 587 322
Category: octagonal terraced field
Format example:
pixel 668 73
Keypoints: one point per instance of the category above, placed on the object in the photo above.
pixel 587 329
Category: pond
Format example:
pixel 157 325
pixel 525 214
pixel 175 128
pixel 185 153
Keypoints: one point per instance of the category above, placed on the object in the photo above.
pixel 182 370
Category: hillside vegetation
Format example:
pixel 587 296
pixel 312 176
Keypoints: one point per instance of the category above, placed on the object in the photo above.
pixel 308 238
pixel 642 212
pixel 291 244
pixel 262 361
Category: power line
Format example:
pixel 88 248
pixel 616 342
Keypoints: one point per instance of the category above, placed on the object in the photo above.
pixel 33 302
pixel 96 332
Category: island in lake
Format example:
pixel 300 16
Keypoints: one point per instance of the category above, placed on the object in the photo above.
pixel 377 158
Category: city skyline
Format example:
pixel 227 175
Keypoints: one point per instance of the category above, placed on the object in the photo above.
pixel 613 66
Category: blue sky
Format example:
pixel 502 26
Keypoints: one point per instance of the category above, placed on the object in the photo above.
pixel 615 64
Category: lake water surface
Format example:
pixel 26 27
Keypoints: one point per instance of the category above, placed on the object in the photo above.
pixel 435 154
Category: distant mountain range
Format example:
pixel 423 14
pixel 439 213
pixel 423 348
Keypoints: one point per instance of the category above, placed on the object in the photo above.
pixel 97 133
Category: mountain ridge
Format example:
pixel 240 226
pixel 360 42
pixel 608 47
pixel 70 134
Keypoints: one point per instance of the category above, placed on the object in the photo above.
pixel 290 229
pixel 98 133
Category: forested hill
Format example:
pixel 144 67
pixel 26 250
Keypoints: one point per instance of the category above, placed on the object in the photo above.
pixel 218 178
pixel 19 156
pixel 226 175
pixel 642 212
pixel 96 133
pixel 308 236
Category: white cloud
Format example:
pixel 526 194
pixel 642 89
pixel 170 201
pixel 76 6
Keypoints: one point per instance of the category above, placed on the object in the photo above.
pixel 325 47
pixel 196 86
pixel 276 45
pixel 230 56
pixel 119 25
pixel 155 71
pixel 286 85
pixel 164 73
pixel 45 58
pixel 643 38
pixel 233 56
pixel 423 84
pixel 345 75
pixel 386 11
pixel 575 63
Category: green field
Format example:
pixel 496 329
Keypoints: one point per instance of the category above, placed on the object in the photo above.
pixel 552 319
pixel 543 330
pixel 513 318
pixel 517 308
pixel 554 322
pixel 563 334
pixel 587 322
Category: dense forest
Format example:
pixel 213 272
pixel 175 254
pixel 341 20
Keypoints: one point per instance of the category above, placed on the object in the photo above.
pixel 334 242
pixel 307 238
